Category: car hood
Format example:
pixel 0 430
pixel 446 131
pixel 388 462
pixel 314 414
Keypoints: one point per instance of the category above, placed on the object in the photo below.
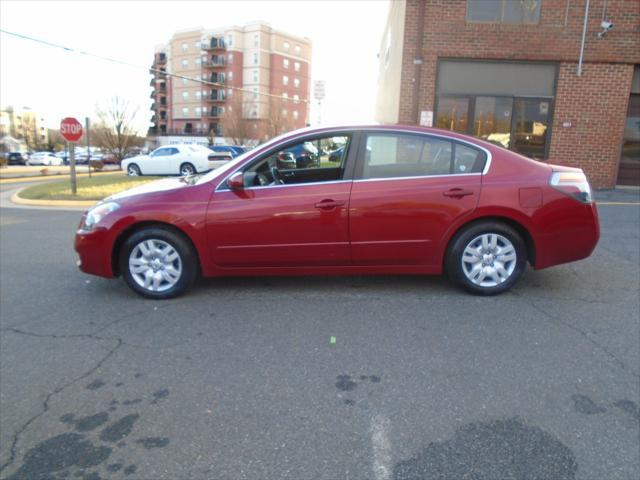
pixel 163 185
pixel 133 159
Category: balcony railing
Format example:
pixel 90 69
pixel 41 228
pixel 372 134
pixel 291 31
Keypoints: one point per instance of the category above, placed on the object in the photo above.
pixel 215 62
pixel 215 44
pixel 216 78
pixel 217 96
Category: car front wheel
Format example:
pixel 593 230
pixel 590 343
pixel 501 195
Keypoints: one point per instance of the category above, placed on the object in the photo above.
pixel 486 258
pixel 158 263
pixel 133 170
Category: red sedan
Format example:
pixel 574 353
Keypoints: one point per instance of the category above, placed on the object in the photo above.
pixel 395 200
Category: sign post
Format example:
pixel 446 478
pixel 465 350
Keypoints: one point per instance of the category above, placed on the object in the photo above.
pixel 71 130
pixel 318 94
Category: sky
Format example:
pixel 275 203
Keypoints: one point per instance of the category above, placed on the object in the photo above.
pixel 346 36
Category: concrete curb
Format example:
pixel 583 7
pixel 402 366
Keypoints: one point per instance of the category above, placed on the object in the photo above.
pixel 15 198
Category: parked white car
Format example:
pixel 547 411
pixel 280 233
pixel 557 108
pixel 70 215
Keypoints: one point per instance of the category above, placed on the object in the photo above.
pixel 182 159
pixel 44 158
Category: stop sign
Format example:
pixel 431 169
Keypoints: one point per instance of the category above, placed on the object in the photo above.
pixel 71 129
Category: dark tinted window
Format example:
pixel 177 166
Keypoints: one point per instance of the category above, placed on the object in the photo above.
pixel 507 11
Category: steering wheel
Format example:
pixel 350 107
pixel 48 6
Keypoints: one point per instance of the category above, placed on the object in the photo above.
pixel 277 178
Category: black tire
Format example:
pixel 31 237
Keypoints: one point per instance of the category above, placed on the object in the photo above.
pixel 133 170
pixel 187 256
pixel 454 264
pixel 187 169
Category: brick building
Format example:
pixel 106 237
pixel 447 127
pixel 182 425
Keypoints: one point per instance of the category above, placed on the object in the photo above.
pixel 512 72
pixel 255 68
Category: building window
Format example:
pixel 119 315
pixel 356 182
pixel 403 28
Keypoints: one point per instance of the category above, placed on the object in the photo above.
pixel 230 58
pixel 255 93
pixel 230 93
pixel 284 112
pixel 285 80
pixel 197 110
pixel 198 94
pixel 296 99
pixel 230 75
pixel 285 45
pixel 229 40
pixel 255 76
pixel 297 49
pixel 185 47
pixel 197 45
pixel 285 95
pixel 184 81
pixel 506 103
pixel 295 115
pixel 503 11
pixel 256 40
pixel 185 63
pixel 285 62
pixel 198 61
pixel 185 111
pixel 296 66
pixel 185 95
pixel 256 58
pixel 296 82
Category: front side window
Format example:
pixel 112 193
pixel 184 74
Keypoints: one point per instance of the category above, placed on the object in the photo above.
pixel 315 160
pixel 396 156
pixel 504 11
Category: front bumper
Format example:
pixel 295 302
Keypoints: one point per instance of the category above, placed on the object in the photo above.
pixel 94 251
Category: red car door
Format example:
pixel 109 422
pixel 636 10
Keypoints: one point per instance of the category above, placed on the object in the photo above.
pixel 408 190
pixel 303 222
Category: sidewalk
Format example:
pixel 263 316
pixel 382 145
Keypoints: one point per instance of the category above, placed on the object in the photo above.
pixel 618 195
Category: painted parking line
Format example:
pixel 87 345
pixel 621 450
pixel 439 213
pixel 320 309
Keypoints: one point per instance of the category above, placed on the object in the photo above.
pixel 381 447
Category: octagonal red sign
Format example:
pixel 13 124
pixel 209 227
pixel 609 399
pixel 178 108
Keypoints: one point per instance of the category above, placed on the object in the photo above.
pixel 71 129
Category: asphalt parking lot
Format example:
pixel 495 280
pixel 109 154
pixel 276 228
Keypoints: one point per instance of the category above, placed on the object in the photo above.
pixel 337 377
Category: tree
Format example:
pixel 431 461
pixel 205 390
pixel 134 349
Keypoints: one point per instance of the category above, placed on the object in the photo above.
pixel 234 120
pixel 279 119
pixel 114 132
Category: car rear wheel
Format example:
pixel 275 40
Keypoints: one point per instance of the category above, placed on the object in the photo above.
pixel 133 170
pixel 187 169
pixel 486 258
pixel 158 263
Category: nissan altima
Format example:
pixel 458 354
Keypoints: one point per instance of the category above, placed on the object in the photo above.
pixel 398 200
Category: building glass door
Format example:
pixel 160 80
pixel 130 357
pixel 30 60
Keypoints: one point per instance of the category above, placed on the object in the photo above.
pixel 492 119
pixel 530 126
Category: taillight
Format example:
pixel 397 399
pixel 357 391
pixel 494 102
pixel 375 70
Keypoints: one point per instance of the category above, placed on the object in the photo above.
pixel 574 184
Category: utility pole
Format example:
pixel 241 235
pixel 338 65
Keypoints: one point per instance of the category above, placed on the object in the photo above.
pixel 86 128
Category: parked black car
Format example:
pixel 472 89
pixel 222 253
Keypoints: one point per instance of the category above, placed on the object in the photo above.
pixel 306 155
pixel 16 158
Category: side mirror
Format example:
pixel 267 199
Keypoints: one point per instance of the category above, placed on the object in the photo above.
pixel 236 181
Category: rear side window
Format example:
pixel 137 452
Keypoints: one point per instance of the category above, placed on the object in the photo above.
pixel 402 155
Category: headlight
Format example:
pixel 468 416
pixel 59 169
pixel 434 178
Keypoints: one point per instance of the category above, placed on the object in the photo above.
pixel 97 213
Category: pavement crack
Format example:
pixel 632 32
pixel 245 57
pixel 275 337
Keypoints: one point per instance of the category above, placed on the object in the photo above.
pixel 555 319
pixel 50 395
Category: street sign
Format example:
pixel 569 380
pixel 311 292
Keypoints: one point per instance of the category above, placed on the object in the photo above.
pixel 71 129
pixel 318 90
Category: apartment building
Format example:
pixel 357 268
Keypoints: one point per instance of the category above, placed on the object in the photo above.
pixel 254 68
pixel 555 80
pixel 25 126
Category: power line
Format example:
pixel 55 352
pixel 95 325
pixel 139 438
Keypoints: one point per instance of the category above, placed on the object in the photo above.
pixel 154 70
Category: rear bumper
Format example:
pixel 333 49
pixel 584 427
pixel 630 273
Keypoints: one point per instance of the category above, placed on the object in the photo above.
pixel 569 231
pixel 94 251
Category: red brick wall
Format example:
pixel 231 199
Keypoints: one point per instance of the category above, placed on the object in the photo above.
pixel 557 37
pixel 596 105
